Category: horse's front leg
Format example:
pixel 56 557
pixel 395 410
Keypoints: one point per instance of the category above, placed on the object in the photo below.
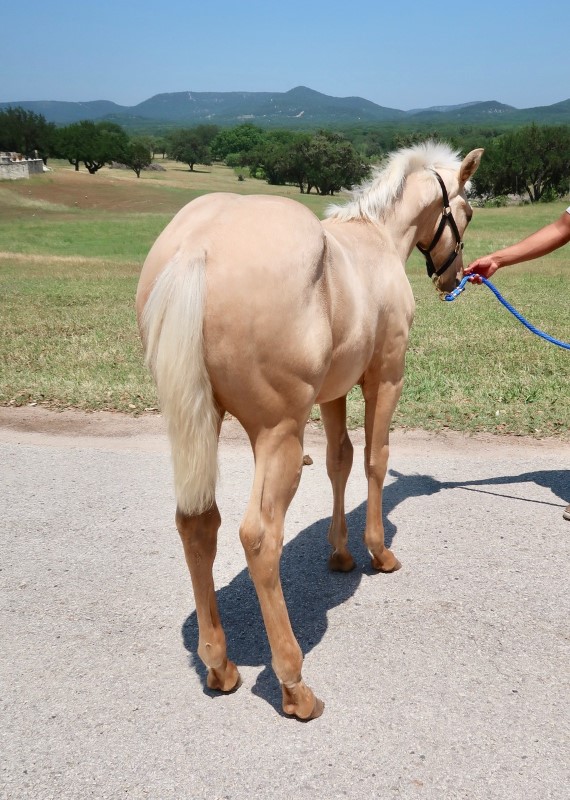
pixel 381 395
pixel 339 463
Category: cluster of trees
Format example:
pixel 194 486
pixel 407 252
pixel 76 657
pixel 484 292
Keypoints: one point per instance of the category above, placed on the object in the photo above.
pixel 374 141
pixel 25 132
pixel 93 144
pixel 192 145
pixel 324 161
pixel 532 160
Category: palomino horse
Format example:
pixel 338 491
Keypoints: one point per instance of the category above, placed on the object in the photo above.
pixel 251 305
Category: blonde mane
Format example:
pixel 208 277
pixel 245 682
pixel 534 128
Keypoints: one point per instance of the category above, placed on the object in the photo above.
pixel 371 200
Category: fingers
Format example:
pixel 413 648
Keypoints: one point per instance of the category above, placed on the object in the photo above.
pixel 474 267
pixel 479 265
pixel 485 266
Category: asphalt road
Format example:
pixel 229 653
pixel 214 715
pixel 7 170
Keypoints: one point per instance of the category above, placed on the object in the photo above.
pixel 448 679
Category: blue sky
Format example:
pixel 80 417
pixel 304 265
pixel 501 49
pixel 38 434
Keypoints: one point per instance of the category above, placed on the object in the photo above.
pixel 400 54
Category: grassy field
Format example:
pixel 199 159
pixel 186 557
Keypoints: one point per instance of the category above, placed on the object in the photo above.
pixel 72 245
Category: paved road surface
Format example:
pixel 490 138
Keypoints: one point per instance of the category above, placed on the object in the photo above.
pixel 449 679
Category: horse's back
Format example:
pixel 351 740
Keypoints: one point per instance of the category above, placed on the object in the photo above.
pixel 241 236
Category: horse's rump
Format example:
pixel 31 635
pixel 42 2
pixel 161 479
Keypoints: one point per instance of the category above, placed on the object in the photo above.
pixel 266 324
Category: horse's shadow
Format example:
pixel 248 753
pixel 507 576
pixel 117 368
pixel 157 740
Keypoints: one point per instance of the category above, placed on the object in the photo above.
pixel 311 590
pixel 558 481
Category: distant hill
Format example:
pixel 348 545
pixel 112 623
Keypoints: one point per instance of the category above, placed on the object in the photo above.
pixel 548 115
pixel 468 112
pixel 300 107
pixel 63 113
pixel 301 104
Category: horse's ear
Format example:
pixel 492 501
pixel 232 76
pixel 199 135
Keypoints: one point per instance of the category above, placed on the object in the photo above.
pixel 470 165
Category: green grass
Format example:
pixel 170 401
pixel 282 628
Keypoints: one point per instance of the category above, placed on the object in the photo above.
pixel 70 338
pixel 482 370
pixel 85 234
pixel 68 277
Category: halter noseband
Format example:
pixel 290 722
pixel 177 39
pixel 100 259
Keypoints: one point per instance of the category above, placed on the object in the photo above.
pixel 446 219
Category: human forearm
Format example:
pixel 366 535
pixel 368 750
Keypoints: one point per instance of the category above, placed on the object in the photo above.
pixel 538 244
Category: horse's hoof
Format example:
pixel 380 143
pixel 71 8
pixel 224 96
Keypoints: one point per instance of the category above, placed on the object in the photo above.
pixel 224 680
pixel 341 562
pixel 300 702
pixel 387 563
pixel 318 709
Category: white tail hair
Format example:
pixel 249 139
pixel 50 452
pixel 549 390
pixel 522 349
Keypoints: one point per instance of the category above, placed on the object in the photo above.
pixel 172 327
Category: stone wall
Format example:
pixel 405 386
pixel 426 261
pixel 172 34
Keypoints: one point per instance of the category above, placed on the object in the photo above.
pixel 12 167
pixel 36 166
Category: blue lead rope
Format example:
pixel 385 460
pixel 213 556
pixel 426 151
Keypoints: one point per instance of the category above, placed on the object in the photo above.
pixel 456 292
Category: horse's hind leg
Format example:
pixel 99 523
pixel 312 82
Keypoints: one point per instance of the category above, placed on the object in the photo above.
pixel 199 537
pixel 278 464
pixel 339 463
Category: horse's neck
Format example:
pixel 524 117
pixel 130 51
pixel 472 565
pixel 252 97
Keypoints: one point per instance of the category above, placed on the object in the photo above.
pixel 413 216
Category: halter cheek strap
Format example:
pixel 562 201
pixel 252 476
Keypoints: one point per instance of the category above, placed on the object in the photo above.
pixel 446 219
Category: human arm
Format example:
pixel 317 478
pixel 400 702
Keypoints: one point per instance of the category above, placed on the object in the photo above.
pixel 538 244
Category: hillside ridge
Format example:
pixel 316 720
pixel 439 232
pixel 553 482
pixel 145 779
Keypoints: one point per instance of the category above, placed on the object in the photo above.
pixel 298 107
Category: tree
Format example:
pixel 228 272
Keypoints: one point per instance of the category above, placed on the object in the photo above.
pixel 137 156
pixel 160 146
pixel 93 143
pixel 192 145
pixel 281 158
pixel 149 141
pixel 535 159
pixel 26 132
pixel 333 163
pixel 109 144
pixel 238 142
pixel 72 141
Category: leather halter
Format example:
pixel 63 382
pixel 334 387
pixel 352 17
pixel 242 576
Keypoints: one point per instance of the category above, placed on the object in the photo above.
pixel 446 219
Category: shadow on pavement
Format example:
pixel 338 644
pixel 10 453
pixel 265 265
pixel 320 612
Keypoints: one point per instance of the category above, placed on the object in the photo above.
pixel 558 481
pixel 311 590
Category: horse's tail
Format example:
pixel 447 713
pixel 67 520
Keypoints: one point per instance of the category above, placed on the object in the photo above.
pixel 172 330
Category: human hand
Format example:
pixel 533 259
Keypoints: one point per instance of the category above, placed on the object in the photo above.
pixel 484 266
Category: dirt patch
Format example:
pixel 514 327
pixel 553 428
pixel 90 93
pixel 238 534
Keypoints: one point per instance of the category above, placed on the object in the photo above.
pixel 102 192
pixel 72 427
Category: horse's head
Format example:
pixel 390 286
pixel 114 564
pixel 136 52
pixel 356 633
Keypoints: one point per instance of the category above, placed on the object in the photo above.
pixel 442 242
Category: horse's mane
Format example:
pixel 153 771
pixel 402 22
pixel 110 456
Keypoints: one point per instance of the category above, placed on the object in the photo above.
pixel 373 198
